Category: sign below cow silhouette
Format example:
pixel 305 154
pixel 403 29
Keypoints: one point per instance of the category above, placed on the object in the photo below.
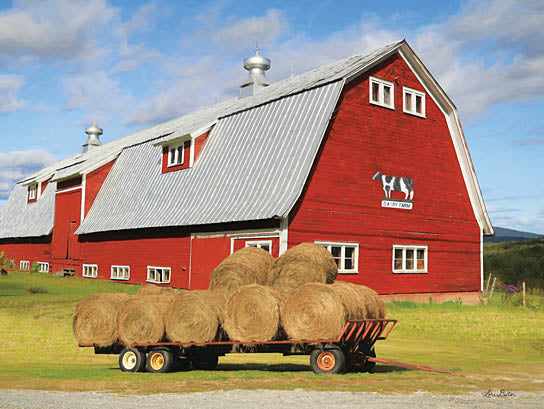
pixel 397 184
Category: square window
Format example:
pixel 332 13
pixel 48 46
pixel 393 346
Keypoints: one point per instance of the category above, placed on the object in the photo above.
pixel 382 93
pixel 158 275
pixel 414 102
pixel 409 259
pixel 262 244
pixel 345 255
pixel 120 272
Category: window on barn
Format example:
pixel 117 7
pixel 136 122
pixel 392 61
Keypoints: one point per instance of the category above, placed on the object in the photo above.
pixel 382 93
pixel 24 265
pixel 90 270
pixel 176 154
pixel 32 192
pixel 120 272
pixel 159 275
pixel 414 102
pixel 262 244
pixel 409 259
pixel 346 255
pixel 43 267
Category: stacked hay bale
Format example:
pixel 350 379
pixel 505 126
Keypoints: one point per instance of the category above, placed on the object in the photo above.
pixel 195 316
pixel 253 314
pixel 301 264
pixel 249 265
pixel 95 319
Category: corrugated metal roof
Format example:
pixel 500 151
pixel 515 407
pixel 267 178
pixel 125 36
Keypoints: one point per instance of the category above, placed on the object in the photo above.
pixel 19 219
pixel 253 166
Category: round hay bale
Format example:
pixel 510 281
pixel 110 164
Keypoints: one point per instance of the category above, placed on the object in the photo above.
pixel 152 289
pixel 191 318
pixel 352 300
pixel 216 300
pixel 313 311
pixel 253 314
pixel 312 253
pixel 290 276
pixel 258 259
pixel 95 319
pixel 141 319
pixel 374 304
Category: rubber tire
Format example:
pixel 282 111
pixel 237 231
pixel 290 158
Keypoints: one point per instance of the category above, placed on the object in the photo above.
pixel 205 361
pixel 182 364
pixel 159 364
pixel 319 355
pixel 125 360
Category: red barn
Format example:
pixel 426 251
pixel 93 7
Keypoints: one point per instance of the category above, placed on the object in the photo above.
pixel 365 156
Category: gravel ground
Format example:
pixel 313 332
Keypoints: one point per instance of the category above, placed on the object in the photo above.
pixel 262 399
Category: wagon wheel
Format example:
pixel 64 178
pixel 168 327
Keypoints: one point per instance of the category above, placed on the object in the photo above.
pixel 206 361
pixel 159 360
pixel 327 361
pixel 131 360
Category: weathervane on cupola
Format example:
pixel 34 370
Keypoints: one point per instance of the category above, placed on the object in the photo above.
pixel 256 80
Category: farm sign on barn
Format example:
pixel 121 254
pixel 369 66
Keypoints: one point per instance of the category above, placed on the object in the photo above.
pixel 396 184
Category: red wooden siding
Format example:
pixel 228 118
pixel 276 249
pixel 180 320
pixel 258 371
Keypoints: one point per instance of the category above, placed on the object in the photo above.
pixel 30 249
pixel 93 183
pixel 342 203
pixel 64 244
pixel 199 143
pixel 206 254
pixel 44 185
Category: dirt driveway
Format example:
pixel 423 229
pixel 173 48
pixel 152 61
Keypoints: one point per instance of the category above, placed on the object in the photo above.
pixel 262 399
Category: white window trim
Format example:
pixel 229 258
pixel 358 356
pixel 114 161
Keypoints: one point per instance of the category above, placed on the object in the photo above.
pixel 343 246
pixel 260 243
pixel 44 267
pixel 24 265
pixel 33 191
pixel 92 268
pixel 119 278
pixel 381 84
pixel 156 281
pixel 404 247
pixel 172 161
pixel 413 93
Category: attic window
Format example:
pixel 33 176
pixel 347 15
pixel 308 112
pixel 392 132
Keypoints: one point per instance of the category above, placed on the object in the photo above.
pixel 382 93
pixel 32 192
pixel 413 102
pixel 175 155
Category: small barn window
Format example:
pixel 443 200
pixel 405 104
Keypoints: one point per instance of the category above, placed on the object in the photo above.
pixel 414 102
pixel 262 244
pixel 409 259
pixel 24 265
pixel 32 192
pixel 345 255
pixel 158 275
pixel 176 154
pixel 120 272
pixel 382 93
pixel 43 267
pixel 90 270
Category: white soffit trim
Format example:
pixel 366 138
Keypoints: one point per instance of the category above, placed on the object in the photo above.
pixel 192 135
pixel 450 112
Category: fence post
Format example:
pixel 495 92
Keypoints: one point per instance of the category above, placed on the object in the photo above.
pixel 487 286
pixel 492 288
pixel 524 293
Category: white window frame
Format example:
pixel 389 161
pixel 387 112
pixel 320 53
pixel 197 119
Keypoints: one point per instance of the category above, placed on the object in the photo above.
pixel 260 244
pixel 175 160
pixel 154 278
pixel 89 270
pixel 119 268
pixel 43 267
pixel 342 270
pixel 24 265
pixel 405 247
pixel 382 84
pixel 413 93
pixel 33 191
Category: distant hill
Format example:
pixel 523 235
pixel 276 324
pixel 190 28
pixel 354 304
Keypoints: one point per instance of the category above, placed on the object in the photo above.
pixel 502 234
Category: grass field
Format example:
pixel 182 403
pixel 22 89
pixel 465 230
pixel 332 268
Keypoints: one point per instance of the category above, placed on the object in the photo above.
pixel 490 347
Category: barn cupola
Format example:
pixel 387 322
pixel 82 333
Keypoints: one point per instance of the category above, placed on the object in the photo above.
pixel 93 141
pixel 256 65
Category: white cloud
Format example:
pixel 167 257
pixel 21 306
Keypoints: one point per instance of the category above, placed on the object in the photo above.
pixel 98 94
pixel 9 84
pixel 53 29
pixel 14 166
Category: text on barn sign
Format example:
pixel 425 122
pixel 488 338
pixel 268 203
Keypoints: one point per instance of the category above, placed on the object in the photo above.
pixel 397 204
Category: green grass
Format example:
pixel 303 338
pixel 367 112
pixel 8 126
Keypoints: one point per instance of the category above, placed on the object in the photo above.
pixel 490 347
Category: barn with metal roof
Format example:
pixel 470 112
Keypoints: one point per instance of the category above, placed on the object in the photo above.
pixel 305 159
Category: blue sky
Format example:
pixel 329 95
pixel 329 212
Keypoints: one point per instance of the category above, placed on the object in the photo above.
pixel 131 64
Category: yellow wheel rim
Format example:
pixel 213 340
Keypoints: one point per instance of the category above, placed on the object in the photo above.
pixel 157 361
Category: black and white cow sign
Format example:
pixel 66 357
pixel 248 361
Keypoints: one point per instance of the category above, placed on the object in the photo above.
pixel 396 183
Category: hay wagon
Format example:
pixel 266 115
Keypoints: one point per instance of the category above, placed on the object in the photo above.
pixel 352 350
